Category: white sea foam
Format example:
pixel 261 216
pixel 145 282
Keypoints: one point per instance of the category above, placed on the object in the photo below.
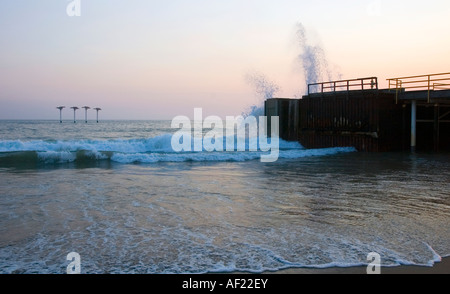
pixel 149 150
pixel 436 257
pixel 56 157
pixel 156 144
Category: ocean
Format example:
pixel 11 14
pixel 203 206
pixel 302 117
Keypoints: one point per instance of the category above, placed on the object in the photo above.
pixel 118 195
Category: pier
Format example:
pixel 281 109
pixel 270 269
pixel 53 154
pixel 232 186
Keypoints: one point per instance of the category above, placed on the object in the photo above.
pixel 413 113
pixel 75 108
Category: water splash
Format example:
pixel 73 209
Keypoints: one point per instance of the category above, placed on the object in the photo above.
pixel 314 64
pixel 264 88
pixel 313 59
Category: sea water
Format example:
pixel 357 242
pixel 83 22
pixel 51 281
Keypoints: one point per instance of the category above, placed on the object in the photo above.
pixel 117 194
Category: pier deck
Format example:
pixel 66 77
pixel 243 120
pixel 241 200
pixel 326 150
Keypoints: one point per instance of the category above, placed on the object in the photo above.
pixel 413 113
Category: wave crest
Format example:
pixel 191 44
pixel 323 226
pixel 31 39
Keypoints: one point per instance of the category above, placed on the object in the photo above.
pixel 148 150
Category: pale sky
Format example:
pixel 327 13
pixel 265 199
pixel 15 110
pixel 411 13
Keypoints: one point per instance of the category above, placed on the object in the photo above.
pixel 148 59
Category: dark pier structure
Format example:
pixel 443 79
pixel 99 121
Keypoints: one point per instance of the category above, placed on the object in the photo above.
pixel 412 114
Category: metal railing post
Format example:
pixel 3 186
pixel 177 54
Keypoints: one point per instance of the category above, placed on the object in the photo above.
pixel 413 125
pixel 396 91
pixel 429 82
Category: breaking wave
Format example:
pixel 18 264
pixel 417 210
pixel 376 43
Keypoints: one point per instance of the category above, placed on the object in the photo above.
pixel 149 150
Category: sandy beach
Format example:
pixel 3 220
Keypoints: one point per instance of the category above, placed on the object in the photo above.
pixel 440 268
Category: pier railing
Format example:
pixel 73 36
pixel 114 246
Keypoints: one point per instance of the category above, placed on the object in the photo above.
pixel 429 83
pixel 344 85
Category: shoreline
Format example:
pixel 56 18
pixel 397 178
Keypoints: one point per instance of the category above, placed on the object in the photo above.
pixel 442 267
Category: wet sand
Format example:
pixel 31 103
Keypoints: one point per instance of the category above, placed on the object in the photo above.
pixel 442 267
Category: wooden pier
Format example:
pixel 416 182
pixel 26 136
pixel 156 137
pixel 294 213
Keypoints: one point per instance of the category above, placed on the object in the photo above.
pixel 413 113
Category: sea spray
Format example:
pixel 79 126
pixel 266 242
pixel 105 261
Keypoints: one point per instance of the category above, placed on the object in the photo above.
pixel 313 60
pixel 264 89
pixel 314 66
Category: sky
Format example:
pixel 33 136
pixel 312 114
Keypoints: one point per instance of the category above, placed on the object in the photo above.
pixel 155 59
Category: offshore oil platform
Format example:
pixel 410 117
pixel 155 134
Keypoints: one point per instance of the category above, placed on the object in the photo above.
pixel 413 113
